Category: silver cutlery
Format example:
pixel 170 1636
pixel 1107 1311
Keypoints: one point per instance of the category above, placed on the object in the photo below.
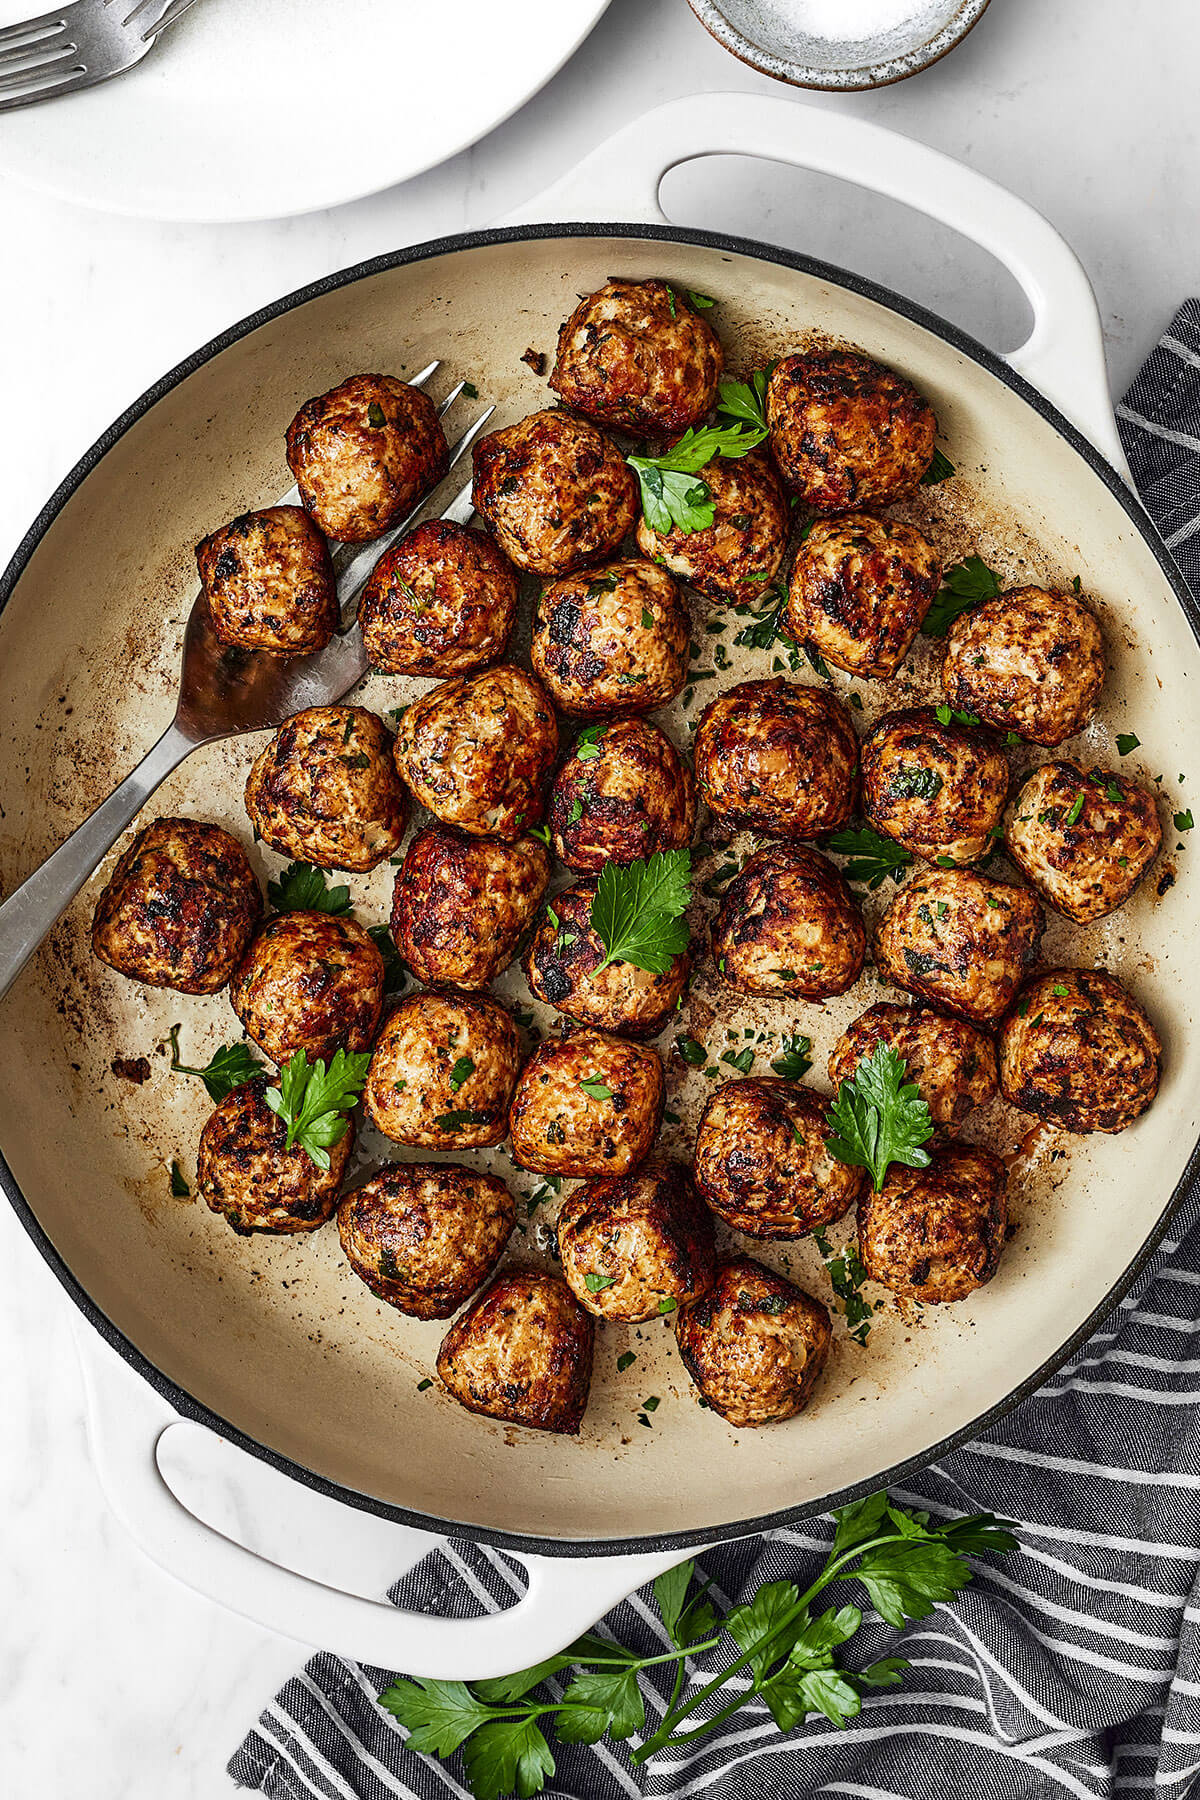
pixel 81 44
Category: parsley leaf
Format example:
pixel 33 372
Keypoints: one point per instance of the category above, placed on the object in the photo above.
pixel 637 911
pixel 394 972
pixel 940 469
pixel 439 1716
pixel 793 1060
pixel 746 401
pixel 508 1756
pixel 872 857
pixel 462 1071
pixel 179 1187
pixel 846 1276
pixel 964 585
pixel 599 1702
pixel 227 1068
pixel 1127 741
pixel 313 1101
pixel 303 888
pixel 671 495
pixel 880 1118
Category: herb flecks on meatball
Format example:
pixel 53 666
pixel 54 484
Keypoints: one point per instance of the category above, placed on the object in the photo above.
pixel 590 1105
pixel 477 750
pixel 522 1352
pixel 777 757
pixel 461 905
pixel 364 454
pixel 859 591
pixel 425 1236
pixel 1030 661
pixel 310 981
pixel 325 790
pixel 612 639
pixel 636 355
pixel 622 793
pixel 440 602
pixel 846 431
pixel 246 1172
pixel 937 789
pixel 558 495
pixel 951 1062
pixel 961 941
pixel 564 965
pixel 442 1072
pixel 787 924
pixel 269 582
pixel 1077 1050
pixel 739 554
pixel 1083 837
pixel 637 1246
pixel 936 1234
pixel 763 1162
pixel 755 1344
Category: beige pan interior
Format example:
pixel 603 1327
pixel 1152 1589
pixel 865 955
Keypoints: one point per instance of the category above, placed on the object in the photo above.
pixel 276 1335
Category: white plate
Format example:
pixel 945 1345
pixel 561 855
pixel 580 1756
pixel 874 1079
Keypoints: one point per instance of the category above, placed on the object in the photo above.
pixel 253 109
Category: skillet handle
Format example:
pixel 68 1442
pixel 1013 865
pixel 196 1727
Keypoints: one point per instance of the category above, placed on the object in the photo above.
pixel 128 1420
pixel 1064 355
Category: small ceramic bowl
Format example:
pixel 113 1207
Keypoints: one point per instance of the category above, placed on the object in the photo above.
pixel 793 41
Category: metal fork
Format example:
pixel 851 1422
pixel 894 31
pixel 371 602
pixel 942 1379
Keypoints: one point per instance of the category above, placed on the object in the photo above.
pixel 222 693
pixel 81 44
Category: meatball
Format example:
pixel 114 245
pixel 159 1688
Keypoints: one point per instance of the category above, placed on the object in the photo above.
pixel 443 1072
pixel 310 981
pixel 623 793
pixel 860 589
pixel 612 640
pixel 476 751
pixel 1078 1051
pixel 775 757
pixel 424 1236
pixel 637 355
pixel 326 790
pixel 246 1171
pixel 269 582
pixel 590 1105
pixel 364 454
pixel 1030 661
pixel 565 966
pixel 951 1062
pixel 1084 838
pixel 847 432
pixel 937 789
pixel 179 908
pixel 555 491
pixel 755 1344
pixel 462 905
pixel 788 925
pixel 936 1233
pixel 522 1353
pixel 637 1246
pixel 736 556
pixel 440 602
pixel 963 942
pixel 763 1161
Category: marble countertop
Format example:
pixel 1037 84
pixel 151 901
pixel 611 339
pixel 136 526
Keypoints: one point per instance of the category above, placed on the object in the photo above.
pixel 117 1683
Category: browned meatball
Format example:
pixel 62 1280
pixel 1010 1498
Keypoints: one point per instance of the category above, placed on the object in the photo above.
pixel 936 1233
pixel 1031 661
pixel 1084 838
pixel 612 640
pixel 476 751
pixel 754 1345
pixel 952 1063
pixel 325 790
pixel 443 1072
pixel 775 757
pixel 788 925
pixel 563 965
pixel 963 942
pixel 424 1236
pixel 622 794
pixel 522 1353
pixel 846 431
pixel 246 1171
pixel 310 981
pixel 736 556
pixel 637 355
pixel 637 1246
pixel 860 589
pixel 1077 1049
pixel 937 789
pixel 179 908
pixel 763 1162
pixel 590 1105
pixel 269 582
pixel 462 905
pixel 555 491
pixel 364 454
pixel 440 602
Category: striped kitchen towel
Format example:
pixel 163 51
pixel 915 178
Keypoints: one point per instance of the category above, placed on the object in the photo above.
pixel 1071 1667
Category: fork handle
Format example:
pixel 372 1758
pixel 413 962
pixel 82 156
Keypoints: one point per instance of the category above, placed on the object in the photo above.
pixel 29 912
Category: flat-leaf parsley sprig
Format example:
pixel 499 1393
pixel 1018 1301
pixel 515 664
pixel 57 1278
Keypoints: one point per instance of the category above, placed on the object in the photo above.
pixel 671 494
pixel 302 887
pixel 226 1069
pixel 879 1118
pixel 872 857
pixel 964 585
pixel 637 912
pixel 313 1101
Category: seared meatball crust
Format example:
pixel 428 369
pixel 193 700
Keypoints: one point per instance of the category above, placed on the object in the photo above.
pixel 364 454
pixel 612 640
pixel 440 602
pixel 937 789
pixel 590 1105
pixel 555 491
pixel 1078 1051
pixel 775 757
pixel 1084 838
pixel 788 925
pixel 443 1071
pixel 563 965
pixel 763 1161
pixel 755 1344
pixel 636 355
pixel 310 981
pixel 424 1236
pixel 179 908
pixel 522 1353
pixel 245 1170
pixel 951 1062
pixel 935 1234
pixel 736 556
pixel 860 589
pixel 1030 661
pixel 476 751
pixel 325 790
pixel 269 582
pixel 623 793
pixel 961 941
pixel 638 1245
pixel 847 432
pixel 461 906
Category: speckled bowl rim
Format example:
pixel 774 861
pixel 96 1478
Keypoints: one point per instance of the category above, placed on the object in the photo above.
pixel 868 75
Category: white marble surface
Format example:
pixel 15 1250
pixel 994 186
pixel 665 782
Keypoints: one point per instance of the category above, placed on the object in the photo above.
pixel 115 1683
